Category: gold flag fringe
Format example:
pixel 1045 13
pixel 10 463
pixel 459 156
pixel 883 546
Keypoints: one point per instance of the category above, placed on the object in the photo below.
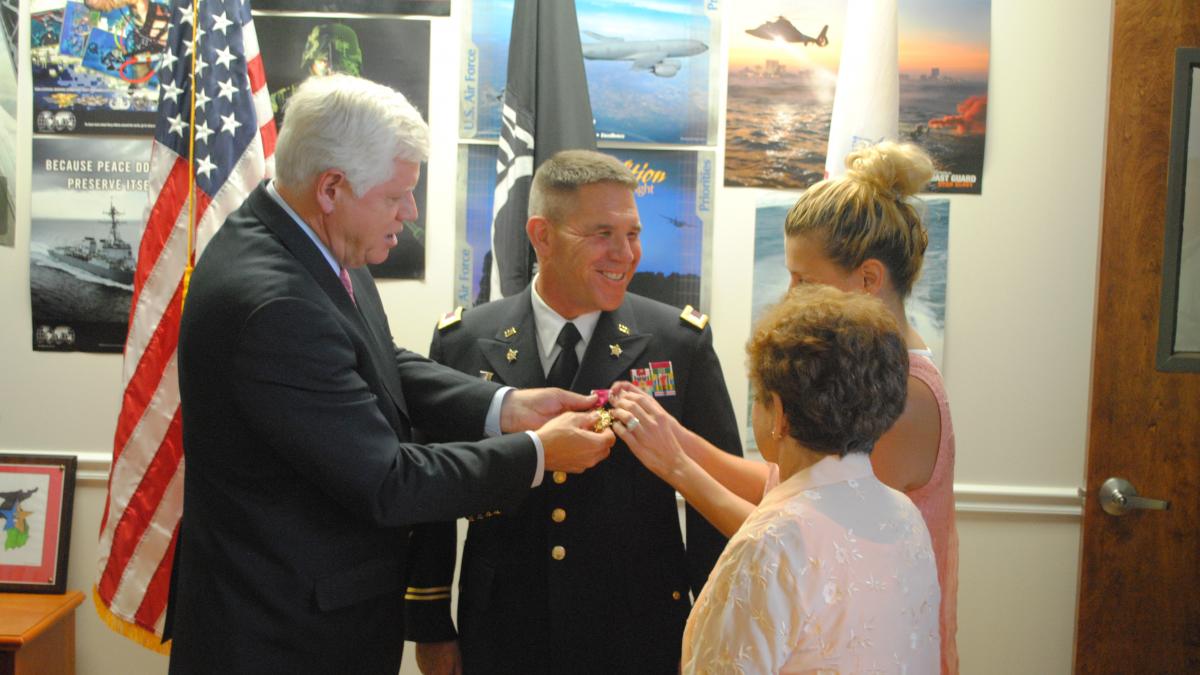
pixel 132 631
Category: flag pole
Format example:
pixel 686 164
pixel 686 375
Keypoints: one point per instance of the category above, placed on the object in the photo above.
pixel 191 221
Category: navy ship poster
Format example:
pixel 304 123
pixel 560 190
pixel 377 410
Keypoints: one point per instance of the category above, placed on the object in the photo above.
pixel 87 215
pixel 675 204
pixel 783 62
pixel 95 65
pixel 390 51
pixel 389 7
pixel 651 68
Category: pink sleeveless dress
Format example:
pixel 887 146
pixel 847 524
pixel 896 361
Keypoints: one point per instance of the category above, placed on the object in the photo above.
pixel 935 500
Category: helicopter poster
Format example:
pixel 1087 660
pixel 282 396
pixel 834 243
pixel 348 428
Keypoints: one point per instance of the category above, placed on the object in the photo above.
pixel 651 68
pixel 95 65
pixel 87 214
pixel 783 62
pixel 390 51
pixel 675 204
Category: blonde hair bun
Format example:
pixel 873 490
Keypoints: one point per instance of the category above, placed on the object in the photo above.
pixel 901 169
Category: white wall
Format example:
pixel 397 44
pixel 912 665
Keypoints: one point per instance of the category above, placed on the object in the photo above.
pixel 1019 329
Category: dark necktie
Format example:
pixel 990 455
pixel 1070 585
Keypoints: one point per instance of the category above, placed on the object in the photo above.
pixel 562 371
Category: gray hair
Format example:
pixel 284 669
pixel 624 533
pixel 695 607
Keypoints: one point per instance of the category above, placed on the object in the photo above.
pixel 351 124
pixel 559 178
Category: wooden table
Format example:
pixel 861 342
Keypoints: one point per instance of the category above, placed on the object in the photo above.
pixel 37 633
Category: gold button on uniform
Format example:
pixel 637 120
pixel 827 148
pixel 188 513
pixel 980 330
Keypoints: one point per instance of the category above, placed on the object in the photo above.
pixel 560 477
pixel 558 553
pixel 558 515
pixel 675 595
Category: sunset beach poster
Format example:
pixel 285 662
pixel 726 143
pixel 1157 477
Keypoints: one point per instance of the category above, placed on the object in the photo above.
pixel 783 62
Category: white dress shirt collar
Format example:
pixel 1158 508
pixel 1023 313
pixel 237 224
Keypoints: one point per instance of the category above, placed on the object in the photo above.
pixel 827 471
pixel 274 194
pixel 549 323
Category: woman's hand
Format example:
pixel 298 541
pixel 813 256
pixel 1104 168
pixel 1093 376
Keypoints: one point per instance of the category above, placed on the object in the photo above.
pixel 649 431
pixel 723 487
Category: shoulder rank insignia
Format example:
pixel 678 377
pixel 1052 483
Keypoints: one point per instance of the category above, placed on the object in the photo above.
pixel 694 317
pixel 450 318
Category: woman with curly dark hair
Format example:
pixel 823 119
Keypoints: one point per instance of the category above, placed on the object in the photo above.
pixel 833 570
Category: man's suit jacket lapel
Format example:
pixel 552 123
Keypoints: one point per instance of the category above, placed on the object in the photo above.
pixel 615 346
pixel 300 246
pixel 370 311
pixel 513 356
pixel 370 324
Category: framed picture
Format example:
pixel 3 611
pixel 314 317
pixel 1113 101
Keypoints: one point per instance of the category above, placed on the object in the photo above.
pixel 1179 311
pixel 36 495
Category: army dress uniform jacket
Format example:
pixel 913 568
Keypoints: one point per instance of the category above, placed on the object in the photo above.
pixel 590 574
pixel 302 480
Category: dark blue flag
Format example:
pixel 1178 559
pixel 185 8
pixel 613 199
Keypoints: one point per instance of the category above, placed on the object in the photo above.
pixel 545 109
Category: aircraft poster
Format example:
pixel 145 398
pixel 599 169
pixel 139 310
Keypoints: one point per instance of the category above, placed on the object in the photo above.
pixel 87 215
pixel 651 68
pixel 95 71
pixel 390 51
pixel 8 123
pixel 388 7
pixel 783 60
pixel 675 204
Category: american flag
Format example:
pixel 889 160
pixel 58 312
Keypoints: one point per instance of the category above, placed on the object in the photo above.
pixel 224 124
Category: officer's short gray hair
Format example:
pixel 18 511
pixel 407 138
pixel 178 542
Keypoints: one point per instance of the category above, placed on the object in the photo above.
pixel 558 179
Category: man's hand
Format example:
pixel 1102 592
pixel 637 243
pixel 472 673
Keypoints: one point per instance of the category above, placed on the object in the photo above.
pixel 528 409
pixel 570 443
pixel 439 658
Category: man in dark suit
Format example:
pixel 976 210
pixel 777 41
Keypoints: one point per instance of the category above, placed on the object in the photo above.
pixel 298 411
pixel 590 573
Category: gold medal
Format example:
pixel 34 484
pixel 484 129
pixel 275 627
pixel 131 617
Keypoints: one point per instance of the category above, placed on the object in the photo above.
pixel 605 421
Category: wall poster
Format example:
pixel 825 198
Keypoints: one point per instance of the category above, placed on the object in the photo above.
pixel 926 305
pixel 390 51
pixel 95 65
pixel 88 211
pixel 783 61
pixel 650 68
pixel 674 199
pixel 388 7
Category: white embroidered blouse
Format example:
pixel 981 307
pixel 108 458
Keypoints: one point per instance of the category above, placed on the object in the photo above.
pixel 832 573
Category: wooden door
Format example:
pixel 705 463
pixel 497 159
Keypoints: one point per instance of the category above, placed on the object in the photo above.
pixel 1139 593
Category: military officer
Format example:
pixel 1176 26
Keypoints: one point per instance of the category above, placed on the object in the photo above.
pixel 591 573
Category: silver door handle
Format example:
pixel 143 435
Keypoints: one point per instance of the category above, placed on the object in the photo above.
pixel 1118 497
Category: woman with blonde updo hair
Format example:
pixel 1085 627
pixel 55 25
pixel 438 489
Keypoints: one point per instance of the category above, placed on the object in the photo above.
pixel 862 233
